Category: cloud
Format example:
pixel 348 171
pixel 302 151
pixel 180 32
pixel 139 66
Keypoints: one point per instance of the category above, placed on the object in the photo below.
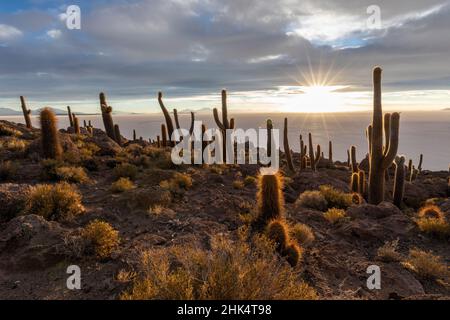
pixel 131 49
pixel 54 33
pixel 9 32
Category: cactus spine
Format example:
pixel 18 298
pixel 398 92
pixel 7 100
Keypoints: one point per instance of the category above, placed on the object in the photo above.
pixel 399 181
pixel 381 158
pixel 26 112
pixel 51 146
pixel 287 150
pixel 107 117
pixel 224 124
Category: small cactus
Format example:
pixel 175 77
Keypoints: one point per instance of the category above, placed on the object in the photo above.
pixel 419 167
pixel 330 152
pixel 277 231
pixel 134 135
pixel 399 181
pixel 158 141
pixel 292 253
pixel 26 112
pixel 51 146
pixel 287 149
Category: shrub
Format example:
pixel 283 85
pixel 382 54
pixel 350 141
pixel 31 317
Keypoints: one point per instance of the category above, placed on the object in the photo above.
pixel 54 202
pixel 302 233
pixel 14 145
pixel 230 270
pixel 7 170
pixel 336 198
pixel 49 167
pixel 388 252
pixel 334 215
pixel 250 180
pixel 436 227
pixel 121 185
pixel 313 200
pixel 180 181
pixel 102 238
pixel 426 265
pixel 125 170
pixel 72 174
pixel 8 131
pixel 238 184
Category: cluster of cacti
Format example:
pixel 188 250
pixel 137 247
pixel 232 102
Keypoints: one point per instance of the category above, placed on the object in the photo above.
pixel 381 157
pixel 287 149
pixel 51 146
pixel 399 180
pixel 278 232
pixel 313 158
pixel 26 112
pixel 225 124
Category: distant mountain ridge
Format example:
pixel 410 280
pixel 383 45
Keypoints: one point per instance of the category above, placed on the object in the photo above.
pixel 12 112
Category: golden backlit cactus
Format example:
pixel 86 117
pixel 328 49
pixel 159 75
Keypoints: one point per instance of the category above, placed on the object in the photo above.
pixel 26 112
pixel 277 231
pixel 292 253
pixel 381 156
pixel 270 199
pixel 354 182
pixel 51 146
pixel 362 183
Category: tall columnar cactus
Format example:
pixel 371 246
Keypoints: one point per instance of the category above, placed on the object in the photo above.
pixel 177 121
pixel 85 124
pixel 353 161
pixel 166 113
pixel 26 112
pixel 314 159
pixel 419 167
pixel 117 134
pixel 302 153
pixel 269 137
pixel 69 113
pixel 224 124
pixel 270 200
pixel 410 168
pixel 134 135
pixel 175 116
pixel 381 157
pixel 76 124
pixel 362 183
pixel 354 183
pixel 164 135
pixel 51 146
pixel 399 182
pixel 107 116
pixel 158 141
pixel 330 152
pixel 287 149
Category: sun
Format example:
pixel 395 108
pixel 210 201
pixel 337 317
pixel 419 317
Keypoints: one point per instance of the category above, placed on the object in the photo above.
pixel 315 99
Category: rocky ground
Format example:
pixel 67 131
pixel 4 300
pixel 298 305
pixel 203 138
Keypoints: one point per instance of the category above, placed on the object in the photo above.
pixel 35 252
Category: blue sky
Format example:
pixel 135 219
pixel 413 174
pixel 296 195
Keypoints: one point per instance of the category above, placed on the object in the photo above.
pixel 264 53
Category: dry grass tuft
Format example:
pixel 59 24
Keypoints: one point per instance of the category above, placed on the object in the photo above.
pixel 122 185
pixel 230 270
pixel 426 265
pixel 72 174
pixel 102 238
pixel 336 198
pixel 54 202
pixel 388 252
pixel 334 215
pixel 313 200
pixel 302 233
